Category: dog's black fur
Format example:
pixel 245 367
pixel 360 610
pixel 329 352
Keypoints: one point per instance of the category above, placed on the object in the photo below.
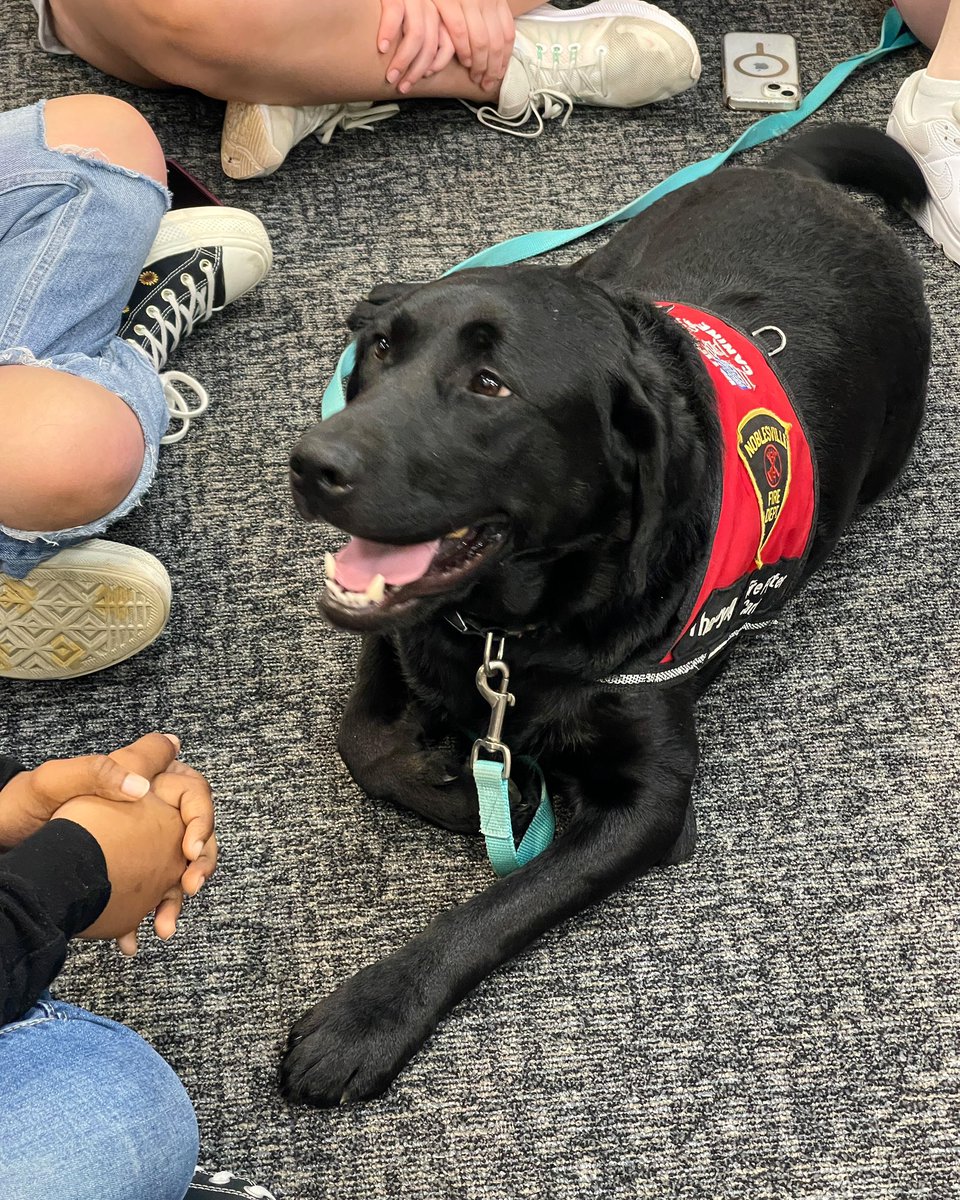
pixel 594 482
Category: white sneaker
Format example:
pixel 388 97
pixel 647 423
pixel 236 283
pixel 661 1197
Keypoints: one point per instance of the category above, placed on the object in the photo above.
pixel 257 138
pixel 202 259
pixel 613 53
pixel 934 142
pixel 90 607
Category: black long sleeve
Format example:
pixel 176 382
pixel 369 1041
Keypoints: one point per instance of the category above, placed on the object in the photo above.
pixel 52 886
pixel 8 768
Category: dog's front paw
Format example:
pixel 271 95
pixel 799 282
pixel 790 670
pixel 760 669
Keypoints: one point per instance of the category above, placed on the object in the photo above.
pixel 353 1044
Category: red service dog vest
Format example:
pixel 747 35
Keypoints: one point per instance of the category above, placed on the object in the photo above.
pixel 767 507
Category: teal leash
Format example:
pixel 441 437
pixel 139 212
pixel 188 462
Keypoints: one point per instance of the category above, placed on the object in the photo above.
pixel 492 777
pixel 893 36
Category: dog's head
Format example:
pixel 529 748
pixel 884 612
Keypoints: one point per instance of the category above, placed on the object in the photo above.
pixel 503 429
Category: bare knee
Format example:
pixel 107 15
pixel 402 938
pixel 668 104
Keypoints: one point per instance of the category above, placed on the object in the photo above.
pixel 113 128
pixel 70 451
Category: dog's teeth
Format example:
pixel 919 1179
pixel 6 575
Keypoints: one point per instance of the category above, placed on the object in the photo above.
pixel 376 589
pixel 330 566
pixel 459 533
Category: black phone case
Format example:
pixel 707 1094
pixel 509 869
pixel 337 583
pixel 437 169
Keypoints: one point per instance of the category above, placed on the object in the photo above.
pixel 187 191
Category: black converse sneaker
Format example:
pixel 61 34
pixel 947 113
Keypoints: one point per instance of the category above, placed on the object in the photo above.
pixel 202 260
pixel 207 1185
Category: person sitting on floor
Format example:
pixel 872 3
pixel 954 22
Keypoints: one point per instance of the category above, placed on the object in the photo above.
pixel 100 285
pixel 926 118
pixel 291 68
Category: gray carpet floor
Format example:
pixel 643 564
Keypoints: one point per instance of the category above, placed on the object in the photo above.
pixel 780 1017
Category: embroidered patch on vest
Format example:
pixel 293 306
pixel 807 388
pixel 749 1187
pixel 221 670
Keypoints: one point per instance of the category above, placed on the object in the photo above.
pixel 766 504
pixel 763 443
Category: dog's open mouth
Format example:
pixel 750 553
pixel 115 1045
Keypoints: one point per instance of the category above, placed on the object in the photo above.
pixel 365 579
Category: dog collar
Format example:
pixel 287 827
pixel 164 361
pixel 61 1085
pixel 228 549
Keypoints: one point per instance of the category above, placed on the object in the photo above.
pixel 464 624
pixel 765 514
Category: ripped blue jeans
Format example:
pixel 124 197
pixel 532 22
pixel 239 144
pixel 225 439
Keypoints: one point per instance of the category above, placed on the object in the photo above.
pixel 75 232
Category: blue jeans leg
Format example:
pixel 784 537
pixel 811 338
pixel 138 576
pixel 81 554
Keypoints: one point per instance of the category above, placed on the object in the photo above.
pixel 74 235
pixel 90 1112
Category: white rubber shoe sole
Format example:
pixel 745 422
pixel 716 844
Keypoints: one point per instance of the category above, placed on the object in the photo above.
pixel 247 255
pixel 89 608
pixel 247 149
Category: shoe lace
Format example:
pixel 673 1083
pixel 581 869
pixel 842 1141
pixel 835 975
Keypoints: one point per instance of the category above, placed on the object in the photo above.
pixel 181 316
pixel 553 85
pixel 157 345
pixel 354 116
pixel 575 76
pixel 178 405
pixel 544 104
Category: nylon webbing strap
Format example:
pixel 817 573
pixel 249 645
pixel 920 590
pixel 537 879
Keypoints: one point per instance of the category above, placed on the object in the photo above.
pixel 496 823
pixel 893 36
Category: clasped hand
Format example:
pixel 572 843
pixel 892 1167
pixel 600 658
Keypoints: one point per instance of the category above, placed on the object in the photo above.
pixel 151 815
pixel 479 33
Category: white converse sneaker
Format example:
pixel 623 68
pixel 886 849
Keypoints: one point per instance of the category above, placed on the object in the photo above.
pixel 201 260
pixel 258 137
pixel 933 138
pixel 613 53
pixel 86 609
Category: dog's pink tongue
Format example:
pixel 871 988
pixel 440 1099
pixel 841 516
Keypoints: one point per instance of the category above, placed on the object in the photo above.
pixel 360 561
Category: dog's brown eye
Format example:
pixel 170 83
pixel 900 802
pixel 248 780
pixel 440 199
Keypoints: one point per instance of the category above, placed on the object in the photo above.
pixel 487 384
pixel 382 348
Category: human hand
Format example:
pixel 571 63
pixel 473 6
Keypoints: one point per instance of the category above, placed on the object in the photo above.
pixel 142 845
pixel 31 798
pixel 186 790
pixel 425 47
pixel 482 32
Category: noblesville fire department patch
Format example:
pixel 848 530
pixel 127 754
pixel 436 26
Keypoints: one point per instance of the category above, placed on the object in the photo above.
pixel 763 443
pixel 749 566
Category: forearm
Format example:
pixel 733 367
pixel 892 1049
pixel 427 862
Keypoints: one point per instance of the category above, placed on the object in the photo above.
pixel 52 886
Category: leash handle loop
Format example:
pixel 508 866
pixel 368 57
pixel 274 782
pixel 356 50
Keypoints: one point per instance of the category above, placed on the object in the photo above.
pixel 496 824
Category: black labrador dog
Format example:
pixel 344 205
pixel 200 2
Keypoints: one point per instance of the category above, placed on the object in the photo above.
pixel 537 452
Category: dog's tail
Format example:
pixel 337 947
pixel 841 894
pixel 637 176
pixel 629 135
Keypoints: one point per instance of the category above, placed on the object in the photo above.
pixel 856 156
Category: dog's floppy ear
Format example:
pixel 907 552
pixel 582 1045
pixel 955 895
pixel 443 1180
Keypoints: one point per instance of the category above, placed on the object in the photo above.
pixel 383 293
pixel 652 409
pixel 642 379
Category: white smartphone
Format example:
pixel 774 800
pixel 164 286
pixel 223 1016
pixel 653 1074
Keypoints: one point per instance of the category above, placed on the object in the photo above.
pixel 760 72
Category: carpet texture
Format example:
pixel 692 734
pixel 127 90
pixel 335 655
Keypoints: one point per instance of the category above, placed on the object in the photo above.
pixel 778 1018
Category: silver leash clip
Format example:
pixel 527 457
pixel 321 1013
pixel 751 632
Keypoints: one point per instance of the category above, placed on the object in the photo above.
pixel 499 699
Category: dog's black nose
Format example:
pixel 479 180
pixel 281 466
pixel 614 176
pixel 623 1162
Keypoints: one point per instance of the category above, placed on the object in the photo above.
pixel 325 468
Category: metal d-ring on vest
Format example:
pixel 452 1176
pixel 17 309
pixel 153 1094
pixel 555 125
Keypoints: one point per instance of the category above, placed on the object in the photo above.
pixel 771 329
pixel 492 777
